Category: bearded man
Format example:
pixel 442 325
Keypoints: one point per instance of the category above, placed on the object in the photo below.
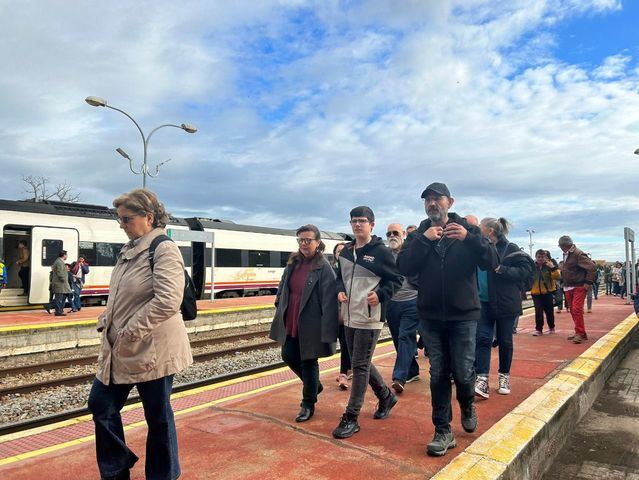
pixel 402 318
pixel 444 253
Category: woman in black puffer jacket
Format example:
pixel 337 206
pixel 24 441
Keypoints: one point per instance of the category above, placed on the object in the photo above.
pixel 500 296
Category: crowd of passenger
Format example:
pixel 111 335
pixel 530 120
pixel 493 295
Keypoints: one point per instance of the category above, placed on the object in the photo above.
pixel 455 281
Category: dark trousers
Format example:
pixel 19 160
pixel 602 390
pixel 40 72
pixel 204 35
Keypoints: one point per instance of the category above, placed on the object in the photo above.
pixel 361 345
pixel 59 299
pixel 344 356
pixel 451 349
pixel 544 304
pixel 76 303
pixel 595 290
pixel 403 322
pixel 306 370
pixel 608 288
pixel 23 273
pixel 490 324
pixel 114 457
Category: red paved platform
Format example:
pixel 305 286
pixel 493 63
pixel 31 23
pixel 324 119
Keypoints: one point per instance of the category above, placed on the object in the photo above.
pixel 35 317
pixel 247 429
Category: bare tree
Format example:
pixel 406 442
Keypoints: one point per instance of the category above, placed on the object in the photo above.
pixel 39 189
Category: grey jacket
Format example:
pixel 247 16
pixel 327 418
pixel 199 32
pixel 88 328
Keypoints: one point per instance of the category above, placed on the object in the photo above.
pixel 60 277
pixel 318 323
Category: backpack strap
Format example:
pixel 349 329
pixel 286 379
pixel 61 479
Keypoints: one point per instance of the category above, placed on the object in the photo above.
pixel 154 244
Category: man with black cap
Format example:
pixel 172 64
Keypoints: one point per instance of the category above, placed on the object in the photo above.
pixel 444 252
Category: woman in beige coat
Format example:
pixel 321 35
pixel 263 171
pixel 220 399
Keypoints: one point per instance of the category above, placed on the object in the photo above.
pixel 144 343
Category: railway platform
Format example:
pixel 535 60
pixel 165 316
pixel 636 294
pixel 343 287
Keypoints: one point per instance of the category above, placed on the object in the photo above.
pixel 38 318
pixel 245 428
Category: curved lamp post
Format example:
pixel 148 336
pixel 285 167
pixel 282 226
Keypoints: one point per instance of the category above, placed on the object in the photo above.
pixel 144 170
pixel 530 245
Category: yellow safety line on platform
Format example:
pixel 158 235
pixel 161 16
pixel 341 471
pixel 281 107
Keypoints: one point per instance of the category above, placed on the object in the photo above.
pixel 39 326
pixel 491 453
pixel 78 441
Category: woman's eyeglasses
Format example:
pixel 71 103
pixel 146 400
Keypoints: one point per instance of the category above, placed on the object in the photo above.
pixel 305 241
pixel 125 220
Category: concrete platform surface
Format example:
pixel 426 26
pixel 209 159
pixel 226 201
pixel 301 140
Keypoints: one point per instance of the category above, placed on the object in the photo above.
pixel 605 444
pixel 249 431
pixel 87 314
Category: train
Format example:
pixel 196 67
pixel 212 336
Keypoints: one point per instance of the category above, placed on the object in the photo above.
pixel 248 260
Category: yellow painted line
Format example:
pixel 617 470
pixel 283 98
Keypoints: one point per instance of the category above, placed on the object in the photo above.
pixel 40 326
pixel 78 441
pixel 489 455
pixel 19 308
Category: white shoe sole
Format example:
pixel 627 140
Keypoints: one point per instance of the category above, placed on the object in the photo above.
pixel 481 394
pixel 503 392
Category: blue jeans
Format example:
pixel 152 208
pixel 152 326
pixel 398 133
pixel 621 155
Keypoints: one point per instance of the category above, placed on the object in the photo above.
pixel 488 323
pixel 403 322
pixel 451 349
pixel 75 301
pixel 113 455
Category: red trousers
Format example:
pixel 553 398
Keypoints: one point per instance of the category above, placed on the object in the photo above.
pixel 575 300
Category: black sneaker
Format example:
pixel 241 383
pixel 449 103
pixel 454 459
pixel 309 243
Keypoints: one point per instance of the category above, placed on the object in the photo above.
pixel 347 427
pixel 384 406
pixel 469 418
pixel 440 444
pixel 398 386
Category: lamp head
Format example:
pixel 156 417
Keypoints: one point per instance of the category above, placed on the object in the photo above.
pixel 189 128
pixel 637 152
pixel 96 101
pixel 123 153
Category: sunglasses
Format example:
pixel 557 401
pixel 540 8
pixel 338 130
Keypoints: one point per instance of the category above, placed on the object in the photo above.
pixel 305 241
pixel 393 233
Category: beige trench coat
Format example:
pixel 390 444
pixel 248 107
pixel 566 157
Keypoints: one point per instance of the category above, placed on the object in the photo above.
pixel 143 334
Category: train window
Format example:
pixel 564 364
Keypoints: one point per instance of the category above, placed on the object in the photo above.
pixel 106 254
pixel 259 258
pixel 186 255
pixel 50 251
pixel 228 257
pixel 87 250
pixel 284 256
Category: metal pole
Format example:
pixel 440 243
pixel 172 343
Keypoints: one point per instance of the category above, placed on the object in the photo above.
pixel 212 266
pixel 530 244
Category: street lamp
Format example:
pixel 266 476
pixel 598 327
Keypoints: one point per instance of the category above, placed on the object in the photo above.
pixel 530 245
pixel 637 152
pixel 144 170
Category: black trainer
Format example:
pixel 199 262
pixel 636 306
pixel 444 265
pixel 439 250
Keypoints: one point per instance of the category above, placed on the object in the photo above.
pixel 347 427
pixel 469 418
pixel 384 406
pixel 398 386
pixel 440 444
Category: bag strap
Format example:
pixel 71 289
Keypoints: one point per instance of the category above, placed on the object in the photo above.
pixel 154 244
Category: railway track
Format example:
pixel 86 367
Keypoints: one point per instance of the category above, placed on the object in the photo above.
pixel 89 360
pixel 78 412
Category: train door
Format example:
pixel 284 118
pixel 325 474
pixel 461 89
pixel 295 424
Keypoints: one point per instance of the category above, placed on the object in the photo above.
pixel 46 244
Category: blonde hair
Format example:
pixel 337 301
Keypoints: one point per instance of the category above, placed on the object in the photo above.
pixel 144 201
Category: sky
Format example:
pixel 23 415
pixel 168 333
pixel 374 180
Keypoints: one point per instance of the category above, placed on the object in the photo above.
pixel 526 109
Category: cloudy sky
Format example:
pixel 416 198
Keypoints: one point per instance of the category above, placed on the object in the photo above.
pixel 527 109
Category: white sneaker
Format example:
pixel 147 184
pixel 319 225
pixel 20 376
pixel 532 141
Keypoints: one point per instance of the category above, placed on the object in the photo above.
pixel 413 379
pixel 504 384
pixel 481 386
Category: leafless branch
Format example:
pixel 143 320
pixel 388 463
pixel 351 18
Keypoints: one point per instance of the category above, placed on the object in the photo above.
pixel 37 188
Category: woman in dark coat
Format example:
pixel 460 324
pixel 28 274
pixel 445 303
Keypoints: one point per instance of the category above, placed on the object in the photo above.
pixel 500 296
pixel 306 321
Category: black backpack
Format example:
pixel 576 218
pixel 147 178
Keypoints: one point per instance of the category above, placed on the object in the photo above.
pixel 189 304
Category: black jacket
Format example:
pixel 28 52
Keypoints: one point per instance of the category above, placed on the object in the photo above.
pixel 374 269
pixel 318 323
pixel 447 271
pixel 504 288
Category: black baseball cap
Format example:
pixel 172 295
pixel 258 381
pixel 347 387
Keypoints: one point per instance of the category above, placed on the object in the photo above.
pixel 438 188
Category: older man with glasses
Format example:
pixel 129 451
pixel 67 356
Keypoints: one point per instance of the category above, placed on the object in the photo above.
pixel 402 319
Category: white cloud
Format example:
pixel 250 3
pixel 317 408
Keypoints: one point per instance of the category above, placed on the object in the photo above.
pixel 306 109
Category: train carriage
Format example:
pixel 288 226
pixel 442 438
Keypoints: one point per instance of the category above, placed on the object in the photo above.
pixel 248 259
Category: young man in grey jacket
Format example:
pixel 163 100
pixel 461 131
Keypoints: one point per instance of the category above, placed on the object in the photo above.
pixel 366 281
